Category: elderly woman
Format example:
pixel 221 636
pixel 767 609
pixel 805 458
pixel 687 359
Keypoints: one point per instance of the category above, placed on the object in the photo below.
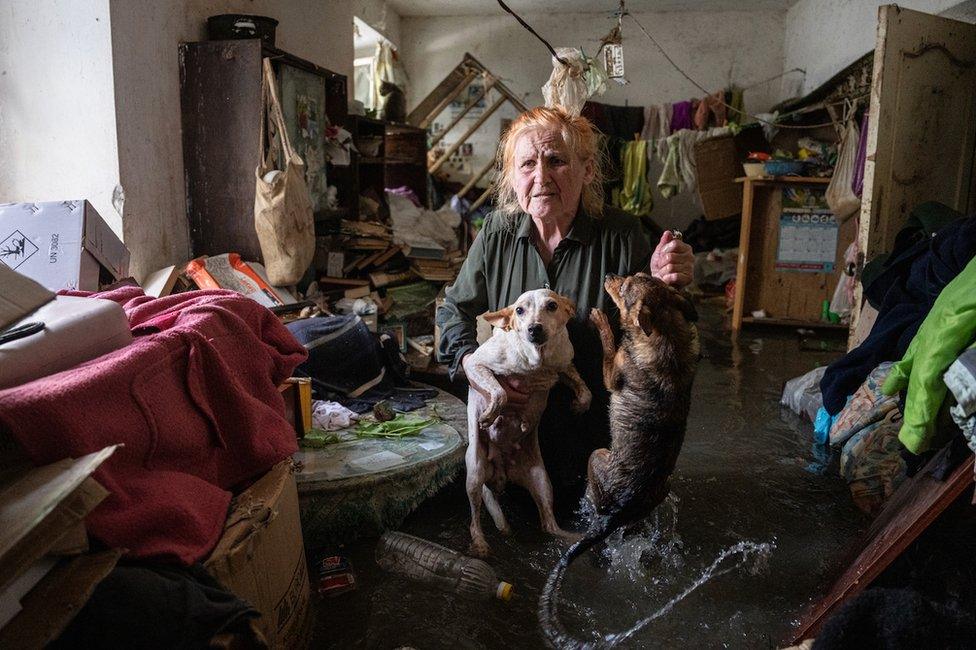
pixel 551 228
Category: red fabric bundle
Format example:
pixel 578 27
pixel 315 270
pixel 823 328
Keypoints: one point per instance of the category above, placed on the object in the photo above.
pixel 195 401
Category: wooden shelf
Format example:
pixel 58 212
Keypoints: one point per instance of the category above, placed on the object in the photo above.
pixel 796 180
pixel 793 322
pixel 792 299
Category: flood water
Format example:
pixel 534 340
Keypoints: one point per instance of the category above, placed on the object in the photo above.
pixel 742 478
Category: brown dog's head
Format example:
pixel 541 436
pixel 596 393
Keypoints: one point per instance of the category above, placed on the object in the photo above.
pixel 648 303
pixel 537 315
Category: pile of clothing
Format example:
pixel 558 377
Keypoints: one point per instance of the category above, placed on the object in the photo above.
pixel 194 401
pixel 886 396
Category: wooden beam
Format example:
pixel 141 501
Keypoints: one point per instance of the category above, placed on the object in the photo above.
pixel 477 177
pixel 437 138
pixel 481 199
pixel 743 264
pixel 447 99
pixel 467 134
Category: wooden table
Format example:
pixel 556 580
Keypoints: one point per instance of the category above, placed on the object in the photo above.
pixel 362 487
pixel 790 299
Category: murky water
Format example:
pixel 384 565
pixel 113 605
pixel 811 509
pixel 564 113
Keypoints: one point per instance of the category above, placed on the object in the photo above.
pixel 747 537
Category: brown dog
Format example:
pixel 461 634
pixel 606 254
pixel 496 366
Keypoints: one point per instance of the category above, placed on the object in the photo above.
pixel 649 377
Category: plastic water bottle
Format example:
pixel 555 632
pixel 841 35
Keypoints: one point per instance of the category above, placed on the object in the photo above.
pixel 441 567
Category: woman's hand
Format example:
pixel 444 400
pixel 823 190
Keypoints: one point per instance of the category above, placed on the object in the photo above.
pixel 672 261
pixel 515 394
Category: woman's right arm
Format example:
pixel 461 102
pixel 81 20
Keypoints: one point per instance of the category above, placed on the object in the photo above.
pixel 466 298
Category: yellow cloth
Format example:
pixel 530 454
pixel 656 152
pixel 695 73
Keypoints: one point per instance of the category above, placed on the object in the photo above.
pixel 635 195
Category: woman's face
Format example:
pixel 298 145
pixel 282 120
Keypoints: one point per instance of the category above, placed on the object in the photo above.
pixel 549 179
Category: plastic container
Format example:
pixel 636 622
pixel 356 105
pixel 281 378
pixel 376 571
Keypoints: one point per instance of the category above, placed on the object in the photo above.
pixel 440 567
pixel 754 169
pixel 784 167
pixel 238 26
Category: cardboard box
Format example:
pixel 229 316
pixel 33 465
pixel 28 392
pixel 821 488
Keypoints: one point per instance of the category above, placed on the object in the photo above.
pixel 261 557
pixel 61 245
pixel 718 166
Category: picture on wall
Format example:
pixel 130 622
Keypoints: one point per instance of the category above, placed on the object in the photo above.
pixel 303 105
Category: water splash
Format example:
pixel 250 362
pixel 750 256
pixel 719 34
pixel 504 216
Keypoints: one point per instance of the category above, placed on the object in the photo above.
pixel 655 544
pixel 757 553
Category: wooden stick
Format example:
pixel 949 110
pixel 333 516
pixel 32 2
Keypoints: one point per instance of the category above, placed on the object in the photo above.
pixel 437 138
pixel 450 97
pixel 474 127
pixel 474 179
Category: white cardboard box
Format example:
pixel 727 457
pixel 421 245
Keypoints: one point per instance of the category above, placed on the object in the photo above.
pixel 61 244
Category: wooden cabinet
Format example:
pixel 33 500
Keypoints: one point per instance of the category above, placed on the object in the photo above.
pixel 406 159
pixel 921 139
pixel 220 93
pixel 788 297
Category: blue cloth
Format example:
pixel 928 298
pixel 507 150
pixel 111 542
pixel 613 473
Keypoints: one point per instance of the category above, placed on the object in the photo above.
pixel 906 291
pixel 822 425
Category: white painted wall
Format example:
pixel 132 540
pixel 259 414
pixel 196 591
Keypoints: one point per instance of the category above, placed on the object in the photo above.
pixel 825 36
pixel 57 115
pixel 381 16
pixel 714 48
pixel 90 98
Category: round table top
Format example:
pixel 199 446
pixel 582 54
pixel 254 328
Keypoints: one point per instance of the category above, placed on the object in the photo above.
pixel 356 462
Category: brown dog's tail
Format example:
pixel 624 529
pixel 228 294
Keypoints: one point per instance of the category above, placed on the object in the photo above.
pixel 554 631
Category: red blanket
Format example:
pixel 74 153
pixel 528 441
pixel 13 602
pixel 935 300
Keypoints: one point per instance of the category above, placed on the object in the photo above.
pixel 195 401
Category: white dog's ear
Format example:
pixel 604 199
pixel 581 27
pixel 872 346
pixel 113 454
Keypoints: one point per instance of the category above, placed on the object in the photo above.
pixel 501 318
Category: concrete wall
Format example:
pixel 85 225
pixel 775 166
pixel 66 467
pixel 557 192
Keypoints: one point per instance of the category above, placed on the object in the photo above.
pixel 714 48
pixel 57 115
pixel 145 38
pixel 824 36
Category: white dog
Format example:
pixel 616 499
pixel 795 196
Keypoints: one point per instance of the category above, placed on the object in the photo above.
pixel 529 343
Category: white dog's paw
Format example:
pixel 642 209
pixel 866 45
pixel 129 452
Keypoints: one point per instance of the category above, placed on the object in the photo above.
pixel 493 408
pixel 582 401
pixel 479 548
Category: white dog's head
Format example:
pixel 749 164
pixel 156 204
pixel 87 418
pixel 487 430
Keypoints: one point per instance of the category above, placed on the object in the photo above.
pixel 537 315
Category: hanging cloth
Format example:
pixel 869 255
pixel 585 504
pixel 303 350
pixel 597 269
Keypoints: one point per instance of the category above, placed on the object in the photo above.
pixel 635 195
pixel 386 68
pixel 737 112
pixel 669 184
pixel 681 116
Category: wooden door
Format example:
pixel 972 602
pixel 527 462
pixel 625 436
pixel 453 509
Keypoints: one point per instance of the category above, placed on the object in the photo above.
pixel 922 128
